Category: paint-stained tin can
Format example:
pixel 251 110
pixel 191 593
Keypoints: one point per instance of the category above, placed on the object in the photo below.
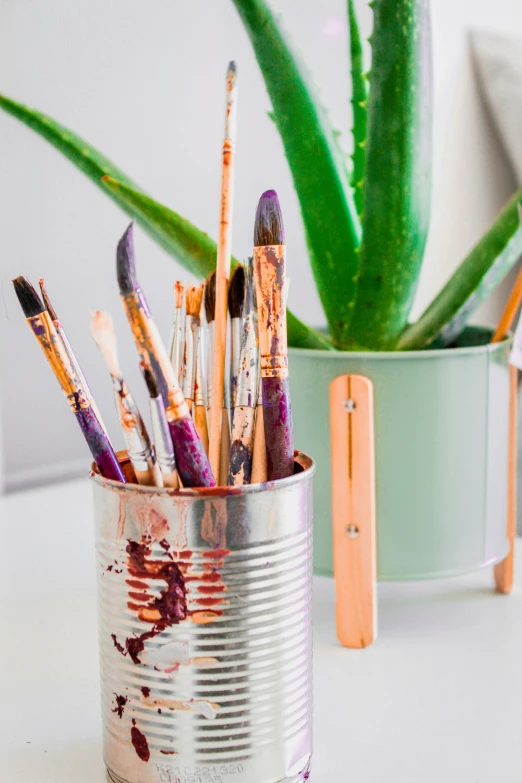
pixel 205 631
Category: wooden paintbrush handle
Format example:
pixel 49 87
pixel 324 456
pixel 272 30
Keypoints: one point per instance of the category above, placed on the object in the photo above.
pixel 259 453
pixel 200 420
pixel 353 498
pixel 224 456
pixel 504 570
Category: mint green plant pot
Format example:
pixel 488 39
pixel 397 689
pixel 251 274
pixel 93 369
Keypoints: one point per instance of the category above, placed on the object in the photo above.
pixel 441 446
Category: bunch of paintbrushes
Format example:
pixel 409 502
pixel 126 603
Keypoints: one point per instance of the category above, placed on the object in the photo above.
pixel 219 407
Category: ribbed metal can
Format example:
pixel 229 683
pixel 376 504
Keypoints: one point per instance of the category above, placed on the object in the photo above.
pixel 205 631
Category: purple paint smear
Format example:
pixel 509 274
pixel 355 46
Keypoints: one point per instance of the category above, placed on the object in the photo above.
pixel 191 459
pixel 279 434
pixel 99 444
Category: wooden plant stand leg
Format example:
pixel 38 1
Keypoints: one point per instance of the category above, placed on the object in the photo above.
pixel 504 569
pixel 353 501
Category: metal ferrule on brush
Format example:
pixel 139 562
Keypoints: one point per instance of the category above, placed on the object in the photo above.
pixel 163 443
pixel 176 342
pixel 235 352
pixel 271 304
pixel 199 388
pixel 139 449
pixel 192 326
pixel 247 386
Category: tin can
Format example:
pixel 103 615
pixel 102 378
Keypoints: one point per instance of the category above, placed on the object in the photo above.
pixel 205 630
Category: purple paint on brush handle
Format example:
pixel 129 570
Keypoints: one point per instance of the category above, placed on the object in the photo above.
pixel 279 433
pixel 99 444
pixel 191 459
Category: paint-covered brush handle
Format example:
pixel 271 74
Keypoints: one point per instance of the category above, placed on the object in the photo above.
pixel 241 446
pixel 277 419
pixel 102 452
pixel 191 460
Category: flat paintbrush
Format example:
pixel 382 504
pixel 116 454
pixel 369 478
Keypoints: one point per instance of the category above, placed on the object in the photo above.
pixel 222 276
pixel 176 342
pixel 139 449
pixel 244 392
pixel 52 345
pixel 160 431
pixel 269 260
pixel 193 301
pixel 193 464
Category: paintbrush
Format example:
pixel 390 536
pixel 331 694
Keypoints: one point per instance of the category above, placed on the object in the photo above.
pixel 210 312
pixel 223 274
pixel 52 345
pixel 160 430
pixel 209 301
pixel 269 260
pixel 236 299
pixel 139 449
pixel 200 408
pixel 176 341
pixel 60 331
pixel 244 399
pixel 193 300
pixel 193 464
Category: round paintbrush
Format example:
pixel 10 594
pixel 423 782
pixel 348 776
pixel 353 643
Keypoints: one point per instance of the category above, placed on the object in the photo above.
pixel 139 449
pixel 222 277
pixel 193 301
pixel 192 461
pixel 65 371
pixel 269 260
pixel 60 331
pixel 245 389
pixel 236 300
pixel 160 430
pixel 176 342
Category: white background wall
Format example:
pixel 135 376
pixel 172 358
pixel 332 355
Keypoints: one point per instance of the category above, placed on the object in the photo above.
pixel 144 83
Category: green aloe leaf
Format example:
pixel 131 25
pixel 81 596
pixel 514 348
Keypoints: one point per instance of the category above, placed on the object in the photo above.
pixel 397 175
pixel 194 249
pixel 360 105
pixel 476 277
pixel 317 165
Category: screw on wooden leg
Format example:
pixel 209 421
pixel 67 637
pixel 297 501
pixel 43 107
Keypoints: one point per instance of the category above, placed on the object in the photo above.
pixel 353 501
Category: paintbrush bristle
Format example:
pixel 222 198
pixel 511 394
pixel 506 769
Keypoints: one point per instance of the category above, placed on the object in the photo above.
pixel 210 297
pixel 231 74
pixel 102 329
pixel 236 292
pixel 29 300
pixel 179 289
pixel 268 227
pixel 150 380
pixel 126 263
pixel 194 299
pixel 47 302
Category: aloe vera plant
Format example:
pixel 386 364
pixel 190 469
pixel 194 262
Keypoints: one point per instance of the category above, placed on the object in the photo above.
pixel 366 226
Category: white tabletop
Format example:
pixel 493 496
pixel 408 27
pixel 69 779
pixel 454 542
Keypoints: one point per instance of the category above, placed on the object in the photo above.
pixel 438 698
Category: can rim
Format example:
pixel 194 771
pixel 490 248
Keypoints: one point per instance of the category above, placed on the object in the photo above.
pixel 305 463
